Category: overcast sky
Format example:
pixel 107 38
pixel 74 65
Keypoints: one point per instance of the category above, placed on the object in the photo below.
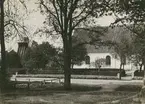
pixel 35 21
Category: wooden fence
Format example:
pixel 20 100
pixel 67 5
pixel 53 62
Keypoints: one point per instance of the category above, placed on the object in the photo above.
pixel 30 81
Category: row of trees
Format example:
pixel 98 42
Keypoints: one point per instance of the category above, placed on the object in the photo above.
pixel 69 14
pixel 130 13
pixel 43 56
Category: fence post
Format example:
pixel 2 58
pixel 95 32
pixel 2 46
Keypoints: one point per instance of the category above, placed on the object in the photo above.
pixel 15 83
pixel 28 84
pixel 132 75
pixel 41 83
pixel 44 81
pixel 59 80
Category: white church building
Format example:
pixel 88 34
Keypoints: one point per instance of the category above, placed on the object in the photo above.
pixel 104 58
pixel 102 55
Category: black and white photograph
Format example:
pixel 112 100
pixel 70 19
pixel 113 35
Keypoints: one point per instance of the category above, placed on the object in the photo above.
pixel 72 51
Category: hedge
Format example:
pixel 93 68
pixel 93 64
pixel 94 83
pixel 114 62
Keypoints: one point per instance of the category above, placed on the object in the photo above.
pixel 139 73
pixel 103 72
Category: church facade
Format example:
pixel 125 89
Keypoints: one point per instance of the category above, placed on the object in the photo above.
pixel 104 59
pixel 100 55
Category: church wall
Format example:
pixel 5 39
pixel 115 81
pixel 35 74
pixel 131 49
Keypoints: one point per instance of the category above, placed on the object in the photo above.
pixel 115 62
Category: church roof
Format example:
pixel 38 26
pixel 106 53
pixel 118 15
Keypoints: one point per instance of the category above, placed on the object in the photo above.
pixel 100 35
pixel 99 49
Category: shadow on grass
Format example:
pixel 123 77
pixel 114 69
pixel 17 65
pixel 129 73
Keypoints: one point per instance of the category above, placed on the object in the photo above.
pixel 131 88
pixel 36 89
pixel 76 87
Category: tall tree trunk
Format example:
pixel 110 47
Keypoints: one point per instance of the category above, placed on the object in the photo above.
pixel 120 71
pixel 67 65
pixel 144 70
pixel 72 66
pixel 123 66
pixel 3 53
pixel 140 67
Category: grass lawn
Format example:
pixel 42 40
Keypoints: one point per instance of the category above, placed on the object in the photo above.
pixel 69 98
pixel 80 94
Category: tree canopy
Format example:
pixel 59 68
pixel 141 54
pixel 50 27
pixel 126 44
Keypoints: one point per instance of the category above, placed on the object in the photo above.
pixel 78 52
pixel 13 60
pixel 62 17
pixel 39 56
pixel 8 24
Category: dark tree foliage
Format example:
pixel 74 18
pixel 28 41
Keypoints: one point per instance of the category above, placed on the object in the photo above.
pixel 13 60
pixel 138 52
pixel 78 52
pixel 123 49
pixel 63 16
pixel 78 55
pixel 139 46
pixel 8 27
pixel 131 14
pixel 39 56
pixel 126 11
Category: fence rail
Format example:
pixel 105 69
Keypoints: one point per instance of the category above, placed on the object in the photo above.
pixel 29 81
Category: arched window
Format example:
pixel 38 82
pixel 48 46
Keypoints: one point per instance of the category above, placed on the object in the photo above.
pixel 108 60
pixel 87 59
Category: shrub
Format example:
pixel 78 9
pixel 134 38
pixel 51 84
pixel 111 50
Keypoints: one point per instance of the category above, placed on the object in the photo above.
pixel 129 88
pixel 46 72
pixel 139 73
pixel 103 72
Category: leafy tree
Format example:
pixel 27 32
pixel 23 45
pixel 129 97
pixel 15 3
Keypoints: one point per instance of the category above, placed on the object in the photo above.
pixel 123 49
pixel 78 53
pixel 39 56
pixel 137 60
pixel 99 62
pixel 63 16
pixel 13 60
pixel 126 11
pixel 6 21
pixel 57 61
pixel 139 48
pixel 131 12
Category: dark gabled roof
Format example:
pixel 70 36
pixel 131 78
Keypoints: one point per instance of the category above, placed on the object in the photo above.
pixel 87 34
pixel 114 34
pixel 99 49
pixel 101 34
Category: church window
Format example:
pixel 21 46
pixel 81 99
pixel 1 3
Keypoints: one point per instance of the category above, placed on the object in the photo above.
pixel 87 59
pixel 108 60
